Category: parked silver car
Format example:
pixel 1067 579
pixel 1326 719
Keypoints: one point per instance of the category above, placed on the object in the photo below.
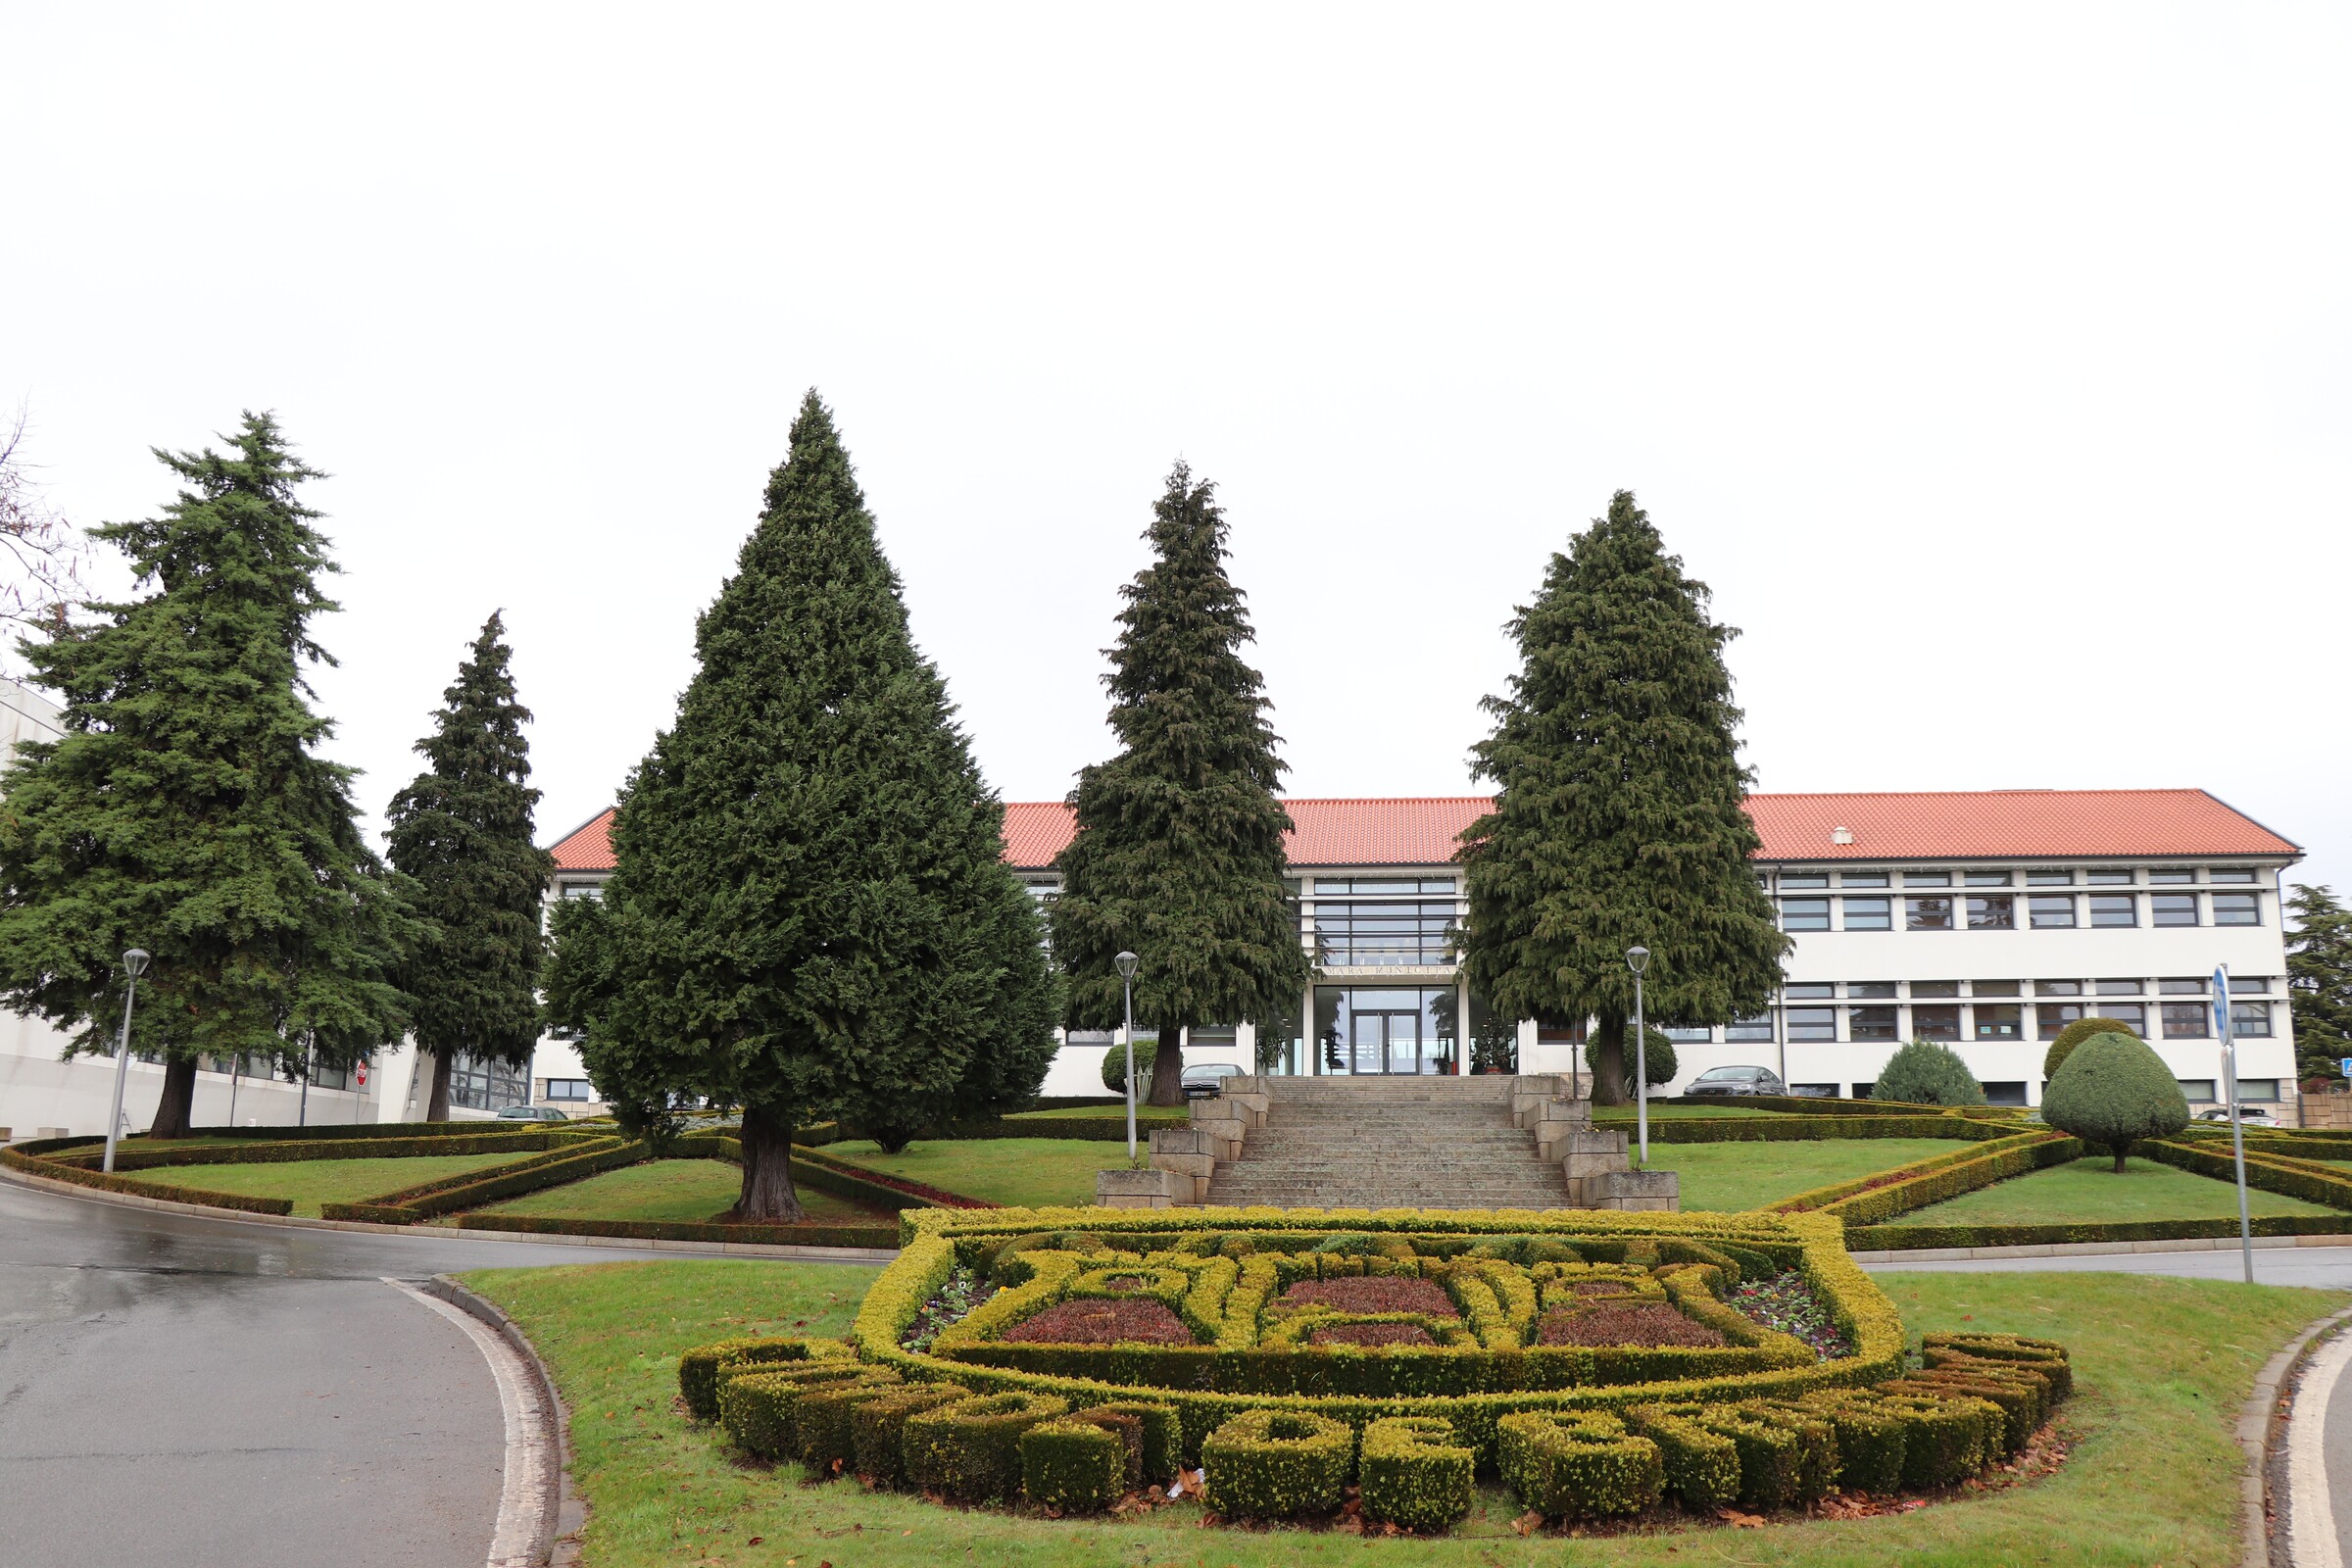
pixel 1736 1081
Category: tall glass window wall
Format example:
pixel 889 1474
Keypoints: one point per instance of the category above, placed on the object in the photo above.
pixel 1386 1029
pixel 1363 921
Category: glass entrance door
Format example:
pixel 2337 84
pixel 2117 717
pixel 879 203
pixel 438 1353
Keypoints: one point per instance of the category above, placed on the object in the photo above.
pixel 1385 1042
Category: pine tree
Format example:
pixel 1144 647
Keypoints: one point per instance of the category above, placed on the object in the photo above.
pixel 461 831
pixel 1178 856
pixel 2319 981
pixel 1618 816
pixel 809 915
pixel 186 811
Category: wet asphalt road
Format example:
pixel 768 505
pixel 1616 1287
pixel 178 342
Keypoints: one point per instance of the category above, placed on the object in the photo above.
pixel 184 1390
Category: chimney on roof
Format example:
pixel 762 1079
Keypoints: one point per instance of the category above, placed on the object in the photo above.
pixel 1841 835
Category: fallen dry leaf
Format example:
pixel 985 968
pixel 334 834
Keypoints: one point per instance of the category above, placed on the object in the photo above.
pixel 1527 1522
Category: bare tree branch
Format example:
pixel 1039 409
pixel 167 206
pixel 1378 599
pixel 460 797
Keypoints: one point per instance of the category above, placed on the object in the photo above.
pixel 41 553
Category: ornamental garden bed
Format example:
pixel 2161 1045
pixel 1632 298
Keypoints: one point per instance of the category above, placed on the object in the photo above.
pixel 2089 1191
pixel 306 1184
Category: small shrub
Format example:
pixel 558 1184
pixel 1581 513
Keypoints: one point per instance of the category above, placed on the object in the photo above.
pixel 971 1450
pixel 1114 1069
pixel 1277 1464
pixel 1923 1073
pixel 821 1420
pixel 1414 1473
pixel 757 1405
pixel 878 1426
pixel 1160 1432
pixel 2114 1090
pixel 1578 1464
pixel 1702 1466
pixel 1073 1466
pixel 1658 1058
pixel 2072 1034
pixel 698 1368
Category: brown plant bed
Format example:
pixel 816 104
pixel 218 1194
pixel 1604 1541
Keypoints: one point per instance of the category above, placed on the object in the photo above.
pixel 1648 1325
pixel 1602 1288
pixel 1096 1321
pixel 1371 1333
pixel 1373 1294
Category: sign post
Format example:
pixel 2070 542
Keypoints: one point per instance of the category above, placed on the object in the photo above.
pixel 2237 1129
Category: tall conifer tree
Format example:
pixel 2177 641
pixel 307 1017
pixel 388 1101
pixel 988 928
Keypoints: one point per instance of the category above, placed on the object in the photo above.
pixel 461 831
pixel 2319 981
pixel 809 913
pixel 1178 856
pixel 1618 816
pixel 187 811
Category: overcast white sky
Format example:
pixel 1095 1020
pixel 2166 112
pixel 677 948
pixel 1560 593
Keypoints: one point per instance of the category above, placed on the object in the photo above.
pixel 1993 363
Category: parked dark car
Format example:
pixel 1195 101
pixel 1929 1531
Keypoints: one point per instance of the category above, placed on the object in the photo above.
pixel 1207 1079
pixel 1734 1080
pixel 531 1113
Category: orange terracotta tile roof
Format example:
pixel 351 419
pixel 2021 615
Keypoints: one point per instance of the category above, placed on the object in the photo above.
pixel 1982 824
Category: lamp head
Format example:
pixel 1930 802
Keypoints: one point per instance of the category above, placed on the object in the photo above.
pixel 1637 958
pixel 1126 963
pixel 135 961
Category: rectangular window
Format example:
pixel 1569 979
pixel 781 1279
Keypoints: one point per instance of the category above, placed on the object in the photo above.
pixel 2110 878
pixel 2233 874
pixel 486 1084
pixel 2237 909
pixel 1812 1023
pixel 1867 915
pixel 2049 911
pixel 1935 988
pixel 2134 1014
pixel 2119 988
pixel 2049 879
pixel 2171 876
pixel 1927 914
pixel 1814 1091
pixel 2184 1020
pixel 1804 879
pixel 1691 1034
pixel 2242 984
pixel 2172 908
pixel 2180 988
pixel 2011 1092
pixel 2050 1018
pixel 2001 1020
pixel 1987 879
pixel 1870 1023
pixel 583 890
pixel 1995 913
pixel 1804 914
pixel 1862 879
pixel 2057 988
pixel 1995 988
pixel 2196 1091
pixel 1870 989
pixel 2257 1091
pixel 1809 991
pixel 1368 934
pixel 1927 879
pixel 1748 1030
pixel 2250 1020
pixel 2114 910
pixel 1936 1023
pixel 567 1089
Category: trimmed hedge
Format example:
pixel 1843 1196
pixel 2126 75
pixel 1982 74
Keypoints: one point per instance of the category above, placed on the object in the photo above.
pixel 1089 1129
pixel 1160 1435
pixel 1414 1474
pixel 971 1450
pixel 821 1431
pixel 1073 1466
pixel 757 1404
pixel 137 1156
pixel 1577 1463
pixel 448 1197
pixel 1915 1238
pixel 1892 1193
pixel 877 1426
pixel 699 1367
pixel 2296 1178
pixel 878 1237
pixel 1277 1464
pixel 329 1132
pixel 80 1177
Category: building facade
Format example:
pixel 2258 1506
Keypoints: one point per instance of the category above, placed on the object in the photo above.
pixel 1984 920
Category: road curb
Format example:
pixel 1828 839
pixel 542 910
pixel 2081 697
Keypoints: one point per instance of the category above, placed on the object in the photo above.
pixel 564 1513
pixel 806 1254
pixel 2262 1423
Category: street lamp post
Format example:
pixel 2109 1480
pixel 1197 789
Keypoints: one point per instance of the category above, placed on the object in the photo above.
pixel 1127 962
pixel 1637 960
pixel 134 964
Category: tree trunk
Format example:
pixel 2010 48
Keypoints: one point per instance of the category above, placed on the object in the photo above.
pixel 2121 1150
pixel 1608 1061
pixel 767 1194
pixel 1168 1071
pixel 173 1110
pixel 436 1102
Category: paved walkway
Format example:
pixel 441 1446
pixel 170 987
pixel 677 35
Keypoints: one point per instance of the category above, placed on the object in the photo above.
pixel 176 1390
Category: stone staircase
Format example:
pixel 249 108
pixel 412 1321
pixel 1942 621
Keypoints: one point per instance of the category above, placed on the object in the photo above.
pixel 1479 1141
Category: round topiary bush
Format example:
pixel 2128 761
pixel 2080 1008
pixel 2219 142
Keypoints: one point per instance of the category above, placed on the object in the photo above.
pixel 1114 1068
pixel 1277 1464
pixel 1923 1073
pixel 2072 1034
pixel 1659 1061
pixel 2113 1091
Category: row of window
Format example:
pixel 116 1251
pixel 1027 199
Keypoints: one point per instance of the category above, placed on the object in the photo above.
pixel 1984 1024
pixel 2044 912
pixel 2012 1092
pixel 2101 877
pixel 1888 989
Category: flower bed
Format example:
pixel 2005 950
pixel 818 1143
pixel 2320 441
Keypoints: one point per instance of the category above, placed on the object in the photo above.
pixel 1092 1320
pixel 1373 1295
pixel 1642 1323
pixel 1370 1334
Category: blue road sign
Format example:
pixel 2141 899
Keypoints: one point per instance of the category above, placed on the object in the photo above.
pixel 2220 1002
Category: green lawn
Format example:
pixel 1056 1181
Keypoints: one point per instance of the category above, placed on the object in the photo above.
pixel 1161 1114
pixel 1024 1172
pixel 312 1182
pixel 1693 1107
pixel 2090 1190
pixel 691 1190
pixel 1736 1176
pixel 2161 1364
